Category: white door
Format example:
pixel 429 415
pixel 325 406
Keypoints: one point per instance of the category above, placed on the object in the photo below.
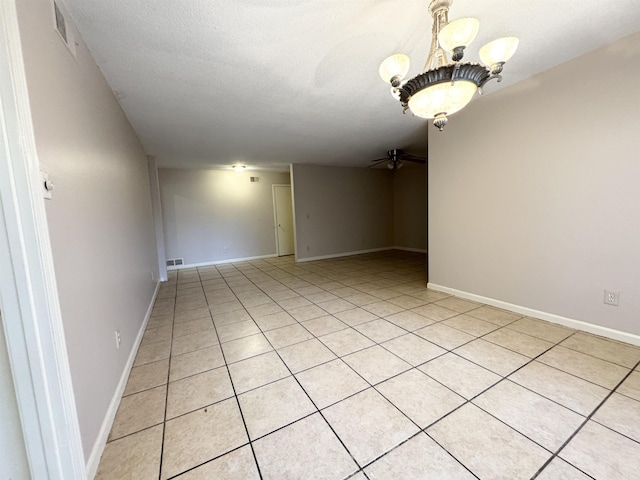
pixel 284 219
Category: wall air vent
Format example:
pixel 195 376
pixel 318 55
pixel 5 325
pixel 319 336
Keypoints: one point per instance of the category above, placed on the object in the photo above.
pixel 174 262
pixel 171 263
pixel 64 27
pixel 254 179
pixel 179 261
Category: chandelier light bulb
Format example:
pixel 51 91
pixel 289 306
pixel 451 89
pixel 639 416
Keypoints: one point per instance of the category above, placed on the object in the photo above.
pixel 498 51
pixel 459 33
pixel 394 67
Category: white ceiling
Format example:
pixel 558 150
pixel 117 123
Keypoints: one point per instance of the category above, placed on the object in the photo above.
pixel 273 82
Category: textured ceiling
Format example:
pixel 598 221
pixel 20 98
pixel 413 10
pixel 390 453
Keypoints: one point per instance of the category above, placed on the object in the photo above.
pixel 273 82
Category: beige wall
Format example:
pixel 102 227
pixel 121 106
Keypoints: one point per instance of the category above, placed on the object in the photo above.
pixel 533 192
pixel 341 210
pixel 410 207
pixel 206 211
pixel 100 218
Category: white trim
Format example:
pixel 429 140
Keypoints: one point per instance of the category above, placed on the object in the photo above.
pixel 275 218
pixel 344 254
pixel 158 223
pixel 98 447
pixel 33 326
pixel 293 212
pixel 408 249
pixel 219 262
pixel 550 317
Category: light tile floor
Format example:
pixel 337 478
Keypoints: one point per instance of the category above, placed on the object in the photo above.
pixel 351 368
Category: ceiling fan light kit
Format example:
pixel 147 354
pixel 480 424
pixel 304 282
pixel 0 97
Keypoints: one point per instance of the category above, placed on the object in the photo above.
pixel 445 87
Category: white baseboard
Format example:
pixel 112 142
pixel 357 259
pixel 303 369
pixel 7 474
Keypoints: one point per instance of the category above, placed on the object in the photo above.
pixel 550 317
pixel 344 254
pixel 220 262
pixel 98 447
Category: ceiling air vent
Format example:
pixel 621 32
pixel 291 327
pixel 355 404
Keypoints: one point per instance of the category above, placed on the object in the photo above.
pixel 254 179
pixel 61 24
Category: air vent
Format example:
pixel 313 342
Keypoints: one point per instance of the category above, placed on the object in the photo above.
pixel 254 179
pixel 171 263
pixel 175 261
pixel 179 261
pixel 62 24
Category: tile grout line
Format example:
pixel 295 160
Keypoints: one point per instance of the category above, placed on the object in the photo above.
pixel 586 420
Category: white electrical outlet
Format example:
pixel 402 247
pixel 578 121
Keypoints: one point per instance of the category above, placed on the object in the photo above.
pixel 117 338
pixel 612 298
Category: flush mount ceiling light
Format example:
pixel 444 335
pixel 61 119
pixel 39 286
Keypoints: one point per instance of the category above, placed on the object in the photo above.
pixel 239 168
pixel 445 87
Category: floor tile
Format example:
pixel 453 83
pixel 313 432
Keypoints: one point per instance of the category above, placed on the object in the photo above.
pixel 486 446
pixel 457 304
pixel 324 325
pixel 302 314
pixel 409 320
pixel 155 335
pixel 603 453
pixel 194 326
pixel 420 458
pixel 631 386
pixel 139 411
pixel 419 397
pixel 285 454
pixel 195 362
pixel 382 308
pixel 229 318
pixel 533 415
pixel 262 407
pixel 492 357
pixel 444 336
pixel 380 330
pixel 541 329
pixel 263 309
pixel 494 315
pixel 236 465
pixel 406 301
pixel 246 347
pixel 330 382
pixel 237 330
pixel 346 341
pixel 305 355
pixel 460 375
pixel 257 371
pixel 375 364
pixel 136 456
pixel 584 366
pixel 558 469
pixel 518 342
pixel 355 316
pixel 152 353
pixel 194 341
pixel 285 336
pixel 147 376
pixel 621 414
pixel 570 391
pixel 275 320
pixel 369 425
pixel 413 349
pixel 336 305
pixel 435 312
pixel 193 439
pixel 605 349
pixel 470 325
pixel 198 391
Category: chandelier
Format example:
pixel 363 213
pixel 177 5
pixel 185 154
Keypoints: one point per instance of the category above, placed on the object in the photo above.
pixel 445 87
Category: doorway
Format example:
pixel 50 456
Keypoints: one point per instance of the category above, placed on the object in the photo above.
pixel 283 216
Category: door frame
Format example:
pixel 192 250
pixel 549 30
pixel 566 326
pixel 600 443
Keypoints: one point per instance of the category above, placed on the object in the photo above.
pixel 275 216
pixel 31 308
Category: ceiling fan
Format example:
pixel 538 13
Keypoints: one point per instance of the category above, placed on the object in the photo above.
pixel 395 159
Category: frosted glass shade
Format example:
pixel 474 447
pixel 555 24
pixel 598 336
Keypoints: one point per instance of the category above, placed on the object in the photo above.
pixel 459 33
pixel 498 51
pixel 397 64
pixel 443 97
